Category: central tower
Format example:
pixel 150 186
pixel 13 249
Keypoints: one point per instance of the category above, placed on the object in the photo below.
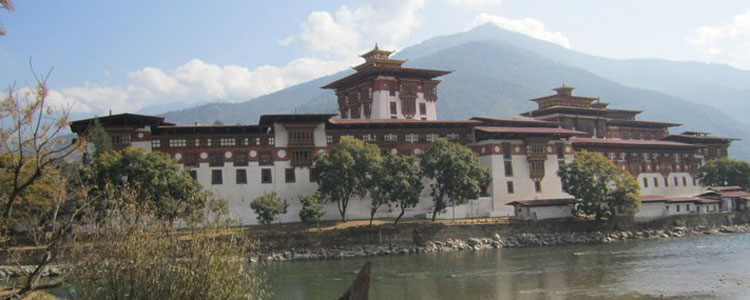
pixel 382 89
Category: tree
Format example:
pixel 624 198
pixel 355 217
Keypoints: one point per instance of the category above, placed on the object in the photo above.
pixel 725 172
pixel 267 207
pixel 7 5
pixel 100 138
pixel 312 208
pixel 455 172
pixel 346 171
pixel 33 196
pixel 404 181
pixel 159 181
pixel 599 186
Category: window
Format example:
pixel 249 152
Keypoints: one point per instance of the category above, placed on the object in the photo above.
pixel 412 138
pixel 432 137
pixel 537 166
pixel 175 143
pixel 240 159
pixel 537 149
pixel 695 182
pixel 241 176
pixel 226 142
pixel 301 157
pixel 369 137
pixel 508 168
pixel 392 89
pixel 191 160
pixel 271 141
pixel 390 137
pixel 687 207
pixel 684 181
pixel 560 150
pixel 155 143
pixel 121 139
pixel 667 207
pixel 645 182
pixel 197 142
pixel 313 175
pixel 265 176
pixel 408 90
pixel 329 139
pixel 298 137
pixel 509 187
pixel 506 151
pixel 676 183
pixel 216 159
pixel 265 158
pixel 194 174
pixel 538 186
pixel 423 109
pixel 453 136
pixel 666 182
pixel 394 109
pixel 216 177
pixel 656 182
pixel 208 142
pixel 246 142
pixel 678 207
pixel 289 175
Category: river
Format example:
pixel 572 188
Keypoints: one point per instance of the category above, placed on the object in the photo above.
pixel 705 267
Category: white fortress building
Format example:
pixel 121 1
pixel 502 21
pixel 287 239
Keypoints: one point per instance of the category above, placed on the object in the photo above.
pixel 396 109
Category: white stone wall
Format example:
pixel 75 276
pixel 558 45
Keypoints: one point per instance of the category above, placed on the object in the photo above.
pixel 652 210
pixel 381 100
pixel 672 190
pixel 544 212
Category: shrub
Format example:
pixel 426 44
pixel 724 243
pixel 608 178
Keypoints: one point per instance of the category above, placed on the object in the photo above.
pixel 312 208
pixel 267 207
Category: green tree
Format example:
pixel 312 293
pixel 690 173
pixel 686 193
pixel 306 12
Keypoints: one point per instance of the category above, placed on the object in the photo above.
pixel 157 179
pixel 312 208
pixel 100 138
pixel 456 174
pixel 345 171
pixel 404 181
pixel 7 5
pixel 724 172
pixel 268 206
pixel 599 186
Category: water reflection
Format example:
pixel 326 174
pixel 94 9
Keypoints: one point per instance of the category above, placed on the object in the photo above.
pixel 699 268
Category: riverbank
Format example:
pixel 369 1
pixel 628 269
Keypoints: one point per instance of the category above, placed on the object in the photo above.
pixel 428 238
pixel 415 237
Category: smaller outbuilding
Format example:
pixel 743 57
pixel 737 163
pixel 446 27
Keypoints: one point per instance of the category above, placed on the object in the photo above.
pixel 543 209
pixel 732 198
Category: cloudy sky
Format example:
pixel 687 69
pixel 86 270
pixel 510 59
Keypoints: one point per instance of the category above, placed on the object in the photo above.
pixel 125 55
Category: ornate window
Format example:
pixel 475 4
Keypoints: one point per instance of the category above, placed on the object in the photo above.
pixel 241 176
pixel 390 137
pixel 369 137
pixel 432 137
pixel 155 143
pixel 271 141
pixel 226 142
pixel 265 158
pixel 329 139
pixel 409 90
pixel 453 136
pixel 175 143
pixel 216 159
pixel 412 138
pixel 240 158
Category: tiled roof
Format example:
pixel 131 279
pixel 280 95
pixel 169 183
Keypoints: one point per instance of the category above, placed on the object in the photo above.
pixel 543 202
pixel 400 121
pixel 632 143
pixel 529 130
pixel 653 198
pixel 725 188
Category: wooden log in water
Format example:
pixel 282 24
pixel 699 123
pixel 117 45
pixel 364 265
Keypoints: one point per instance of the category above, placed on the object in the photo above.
pixel 360 288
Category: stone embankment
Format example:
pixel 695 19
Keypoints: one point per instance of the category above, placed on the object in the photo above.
pixel 20 271
pixel 497 241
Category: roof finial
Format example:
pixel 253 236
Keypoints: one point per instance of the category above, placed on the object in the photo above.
pixel 376 46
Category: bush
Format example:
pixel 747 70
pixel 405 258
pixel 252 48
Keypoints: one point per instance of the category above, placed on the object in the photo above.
pixel 267 207
pixel 161 263
pixel 312 208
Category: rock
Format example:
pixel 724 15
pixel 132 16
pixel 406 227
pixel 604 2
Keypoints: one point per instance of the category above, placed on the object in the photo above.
pixel 473 242
pixel 497 237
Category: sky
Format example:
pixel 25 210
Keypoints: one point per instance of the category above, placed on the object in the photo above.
pixel 126 55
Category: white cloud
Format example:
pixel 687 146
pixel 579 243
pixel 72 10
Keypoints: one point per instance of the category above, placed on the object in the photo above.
pixel 528 26
pixel 476 2
pixel 728 43
pixel 343 32
pixel 195 80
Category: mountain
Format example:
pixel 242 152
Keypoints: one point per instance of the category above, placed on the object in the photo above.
pixel 495 73
pixel 722 86
pixel 162 108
